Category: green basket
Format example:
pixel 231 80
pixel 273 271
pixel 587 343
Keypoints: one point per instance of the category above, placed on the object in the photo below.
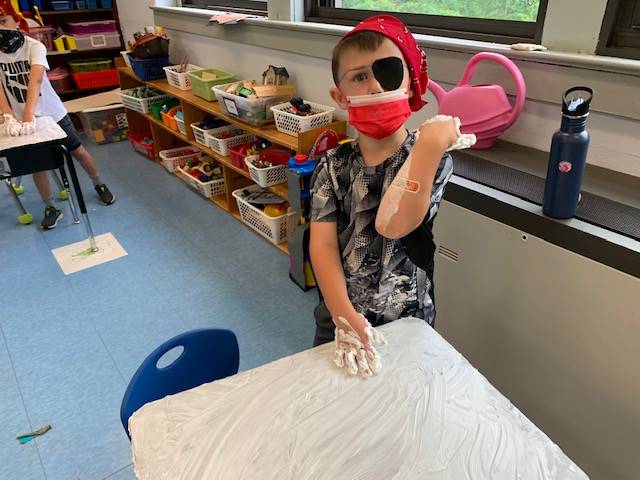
pixel 202 88
pixel 156 108
pixel 90 65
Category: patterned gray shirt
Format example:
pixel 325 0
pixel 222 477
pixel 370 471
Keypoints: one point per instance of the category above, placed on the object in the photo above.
pixel 382 282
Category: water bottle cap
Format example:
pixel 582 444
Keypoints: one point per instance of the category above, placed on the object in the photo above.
pixel 577 105
pixel 301 158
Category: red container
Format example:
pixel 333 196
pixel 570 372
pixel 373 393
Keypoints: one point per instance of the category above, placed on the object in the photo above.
pixel 142 142
pixel 238 154
pixel 98 79
pixel 276 155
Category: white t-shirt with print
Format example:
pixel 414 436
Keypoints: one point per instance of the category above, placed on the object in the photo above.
pixel 15 68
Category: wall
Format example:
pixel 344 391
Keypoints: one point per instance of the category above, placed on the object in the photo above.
pixel 134 15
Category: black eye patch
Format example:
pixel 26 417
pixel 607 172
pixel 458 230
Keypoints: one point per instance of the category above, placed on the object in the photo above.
pixel 389 72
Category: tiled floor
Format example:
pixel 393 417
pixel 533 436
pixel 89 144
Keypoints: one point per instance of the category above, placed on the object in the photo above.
pixel 70 344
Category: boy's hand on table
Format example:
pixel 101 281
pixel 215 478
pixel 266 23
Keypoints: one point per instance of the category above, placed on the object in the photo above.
pixel 444 130
pixel 28 126
pixel 354 340
pixel 11 126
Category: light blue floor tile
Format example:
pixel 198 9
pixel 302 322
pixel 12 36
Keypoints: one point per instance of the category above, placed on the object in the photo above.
pixel 124 474
pixel 16 461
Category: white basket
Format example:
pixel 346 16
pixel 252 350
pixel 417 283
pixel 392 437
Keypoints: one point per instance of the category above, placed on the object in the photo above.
pixel 179 80
pixel 222 145
pixel 199 134
pixel 275 229
pixel 267 177
pixel 172 160
pixel 125 55
pixel 181 126
pixel 206 189
pixel 140 104
pixel 292 124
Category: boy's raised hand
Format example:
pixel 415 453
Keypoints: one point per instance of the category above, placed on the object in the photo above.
pixel 445 131
pixel 355 349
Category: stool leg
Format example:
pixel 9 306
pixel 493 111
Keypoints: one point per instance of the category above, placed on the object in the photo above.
pixel 25 218
pixel 17 185
pixel 65 186
pixel 78 190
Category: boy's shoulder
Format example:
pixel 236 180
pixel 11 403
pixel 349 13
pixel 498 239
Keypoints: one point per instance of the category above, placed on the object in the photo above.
pixel 339 157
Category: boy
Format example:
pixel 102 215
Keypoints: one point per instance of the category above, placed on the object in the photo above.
pixel 27 94
pixel 374 200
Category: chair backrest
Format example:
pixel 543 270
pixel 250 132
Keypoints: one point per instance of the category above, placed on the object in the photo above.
pixel 209 354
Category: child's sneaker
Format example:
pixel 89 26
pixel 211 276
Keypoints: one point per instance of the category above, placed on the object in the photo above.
pixel 51 217
pixel 105 195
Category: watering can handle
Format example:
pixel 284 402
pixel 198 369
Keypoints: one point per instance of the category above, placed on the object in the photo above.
pixel 516 75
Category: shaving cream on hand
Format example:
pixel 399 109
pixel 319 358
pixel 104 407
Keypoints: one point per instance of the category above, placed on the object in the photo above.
pixel 351 352
pixel 11 126
pixel 464 140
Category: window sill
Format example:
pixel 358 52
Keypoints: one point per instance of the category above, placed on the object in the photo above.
pixel 565 59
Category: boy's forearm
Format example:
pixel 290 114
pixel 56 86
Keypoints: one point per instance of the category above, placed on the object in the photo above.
pixel 33 90
pixel 406 202
pixel 330 277
pixel 4 103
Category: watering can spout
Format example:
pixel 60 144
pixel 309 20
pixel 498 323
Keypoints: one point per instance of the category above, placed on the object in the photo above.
pixel 437 90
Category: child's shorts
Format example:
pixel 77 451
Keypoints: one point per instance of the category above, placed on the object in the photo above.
pixel 73 139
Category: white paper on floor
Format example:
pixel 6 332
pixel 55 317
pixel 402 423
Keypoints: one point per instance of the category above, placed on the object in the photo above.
pixel 78 256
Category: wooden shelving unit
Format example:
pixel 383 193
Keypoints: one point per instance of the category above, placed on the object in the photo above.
pixel 195 109
pixel 58 18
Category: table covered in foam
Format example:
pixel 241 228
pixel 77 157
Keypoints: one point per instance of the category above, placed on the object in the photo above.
pixel 428 415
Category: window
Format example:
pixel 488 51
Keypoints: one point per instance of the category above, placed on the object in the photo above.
pixel 504 21
pixel 243 6
pixel 620 34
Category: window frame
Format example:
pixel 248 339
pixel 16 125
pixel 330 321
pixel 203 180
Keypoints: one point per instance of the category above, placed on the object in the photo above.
pixel 488 30
pixel 613 30
pixel 252 7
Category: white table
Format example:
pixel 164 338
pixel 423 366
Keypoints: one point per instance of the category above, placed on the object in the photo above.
pixel 428 415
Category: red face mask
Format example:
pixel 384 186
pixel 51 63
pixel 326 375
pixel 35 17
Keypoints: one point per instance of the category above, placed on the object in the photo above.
pixel 379 115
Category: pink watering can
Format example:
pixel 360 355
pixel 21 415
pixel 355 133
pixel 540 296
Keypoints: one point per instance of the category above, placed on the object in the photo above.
pixel 483 109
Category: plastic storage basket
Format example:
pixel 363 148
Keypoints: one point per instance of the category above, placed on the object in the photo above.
pixel 181 126
pixel 202 88
pixel 125 56
pixel 275 229
pixel 169 118
pixel 156 108
pixel 255 111
pixel 90 65
pixel 60 79
pixel 149 68
pixel 99 79
pixel 292 124
pixel 222 145
pixel 206 189
pixel 177 157
pixel 266 177
pixel 105 3
pixel 105 124
pixel 97 41
pixel 94 26
pixel 237 157
pixel 139 144
pixel 140 104
pixel 199 134
pixel 81 4
pixel 61 5
pixel 92 4
pixel 179 80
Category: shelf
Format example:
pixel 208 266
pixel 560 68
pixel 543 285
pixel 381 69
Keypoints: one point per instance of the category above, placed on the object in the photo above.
pixel 75 12
pixel 82 52
pixel 86 90
pixel 267 132
pixel 179 135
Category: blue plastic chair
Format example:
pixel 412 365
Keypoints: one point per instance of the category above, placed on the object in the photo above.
pixel 209 354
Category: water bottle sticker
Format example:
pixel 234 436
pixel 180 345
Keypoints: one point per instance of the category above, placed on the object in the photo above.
pixel 565 167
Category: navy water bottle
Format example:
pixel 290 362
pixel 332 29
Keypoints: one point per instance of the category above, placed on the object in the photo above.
pixel 568 155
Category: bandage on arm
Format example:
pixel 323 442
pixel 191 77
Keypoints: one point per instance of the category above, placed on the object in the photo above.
pixel 406 202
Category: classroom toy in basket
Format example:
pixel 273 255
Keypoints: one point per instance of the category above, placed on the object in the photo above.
pixel 178 157
pixel 253 202
pixel 105 124
pixel 139 98
pixel 299 116
pixel 250 102
pixel 265 174
pixel 142 142
pixel 222 138
pixel 200 129
pixel 203 175
pixel 177 75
